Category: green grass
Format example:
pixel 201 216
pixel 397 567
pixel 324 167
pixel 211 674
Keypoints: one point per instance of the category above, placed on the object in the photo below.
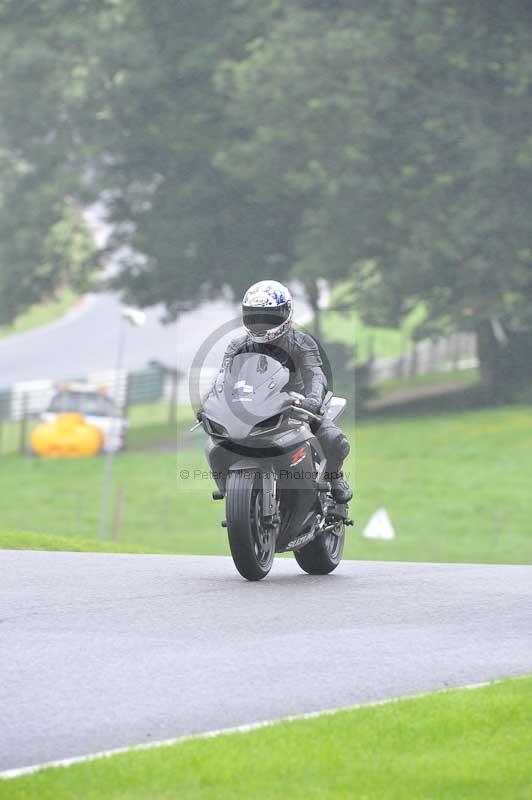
pixel 20 540
pixel 40 314
pixel 472 744
pixel 467 376
pixel 457 487
pixel 10 436
pixel 150 424
pixel 347 327
pixel 62 497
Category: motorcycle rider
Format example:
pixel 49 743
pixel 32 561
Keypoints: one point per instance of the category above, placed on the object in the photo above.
pixel 267 312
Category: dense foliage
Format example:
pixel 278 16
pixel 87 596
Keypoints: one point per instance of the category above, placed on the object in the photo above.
pixel 384 145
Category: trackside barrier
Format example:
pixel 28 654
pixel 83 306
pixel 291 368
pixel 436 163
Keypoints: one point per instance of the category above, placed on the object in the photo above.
pixel 156 383
pixel 455 352
pixel 25 401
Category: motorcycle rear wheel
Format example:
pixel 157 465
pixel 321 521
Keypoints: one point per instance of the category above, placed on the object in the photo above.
pixel 323 554
pixel 252 545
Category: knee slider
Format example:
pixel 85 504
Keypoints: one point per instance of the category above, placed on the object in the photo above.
pixel 342 446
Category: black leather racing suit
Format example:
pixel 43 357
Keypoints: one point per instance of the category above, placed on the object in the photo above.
pixel 300 354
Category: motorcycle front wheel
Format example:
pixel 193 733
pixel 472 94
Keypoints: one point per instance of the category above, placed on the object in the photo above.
pixel 252 543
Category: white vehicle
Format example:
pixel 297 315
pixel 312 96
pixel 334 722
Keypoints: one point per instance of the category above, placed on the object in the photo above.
pixel 96 406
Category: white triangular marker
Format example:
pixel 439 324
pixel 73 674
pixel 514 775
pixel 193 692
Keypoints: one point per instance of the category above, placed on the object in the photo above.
pixel 379 526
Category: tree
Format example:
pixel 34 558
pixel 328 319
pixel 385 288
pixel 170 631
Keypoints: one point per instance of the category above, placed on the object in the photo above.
pixel 44 240
pixel 386 144
pixel 125 113
pixel 190 231
pixel 403 133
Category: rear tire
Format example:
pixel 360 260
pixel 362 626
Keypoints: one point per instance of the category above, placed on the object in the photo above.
pixel 323 554
pixel 252 547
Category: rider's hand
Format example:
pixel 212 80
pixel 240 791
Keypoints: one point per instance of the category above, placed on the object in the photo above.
pixel 310 404
pixel 199 415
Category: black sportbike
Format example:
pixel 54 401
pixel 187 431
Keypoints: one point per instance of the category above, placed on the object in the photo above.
pixel 269 467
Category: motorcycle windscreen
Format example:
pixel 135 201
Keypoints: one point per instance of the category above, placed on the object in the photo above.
pixel 252 371
pixel 247 393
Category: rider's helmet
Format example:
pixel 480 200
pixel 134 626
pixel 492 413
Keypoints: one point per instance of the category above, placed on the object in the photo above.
pixel 267 311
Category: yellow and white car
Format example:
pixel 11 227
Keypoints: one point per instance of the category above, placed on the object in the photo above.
pixel 98 409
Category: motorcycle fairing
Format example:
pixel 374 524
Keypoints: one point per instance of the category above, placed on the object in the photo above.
pixel 247 393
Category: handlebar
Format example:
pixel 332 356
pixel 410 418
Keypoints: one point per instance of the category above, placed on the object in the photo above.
pixel 308 413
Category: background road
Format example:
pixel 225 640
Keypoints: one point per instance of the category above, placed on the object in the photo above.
pixel 85 340
pixel 100 651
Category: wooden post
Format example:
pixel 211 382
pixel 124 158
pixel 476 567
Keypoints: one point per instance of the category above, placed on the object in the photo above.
pixel 433 356
pixel 79 512
pixel 456 351
pixel 405 355
pixel 370 347
pixel 413 362
pixel 117 514
pixel 166 514
pixel 23 425
pixel 172 409
pixel 312 291
pixel 125 409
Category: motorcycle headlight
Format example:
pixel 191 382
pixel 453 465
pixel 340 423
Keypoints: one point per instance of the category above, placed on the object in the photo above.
pixel 267 425
pixel 214 428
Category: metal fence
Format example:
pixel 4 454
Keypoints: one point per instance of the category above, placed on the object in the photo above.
pixel 150 385
pixel 27 400
pixel 455 352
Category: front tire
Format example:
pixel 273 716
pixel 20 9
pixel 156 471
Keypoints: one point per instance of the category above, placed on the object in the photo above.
pixel 323 554
pixel 252 546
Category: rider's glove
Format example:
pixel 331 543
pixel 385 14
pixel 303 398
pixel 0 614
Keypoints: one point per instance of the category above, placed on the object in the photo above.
pixel 310 404
pixel 199 415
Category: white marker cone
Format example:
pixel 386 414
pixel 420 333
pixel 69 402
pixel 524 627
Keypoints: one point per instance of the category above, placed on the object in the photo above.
pixel 379 526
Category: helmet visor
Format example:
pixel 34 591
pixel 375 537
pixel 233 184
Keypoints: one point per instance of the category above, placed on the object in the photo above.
pixel 259 321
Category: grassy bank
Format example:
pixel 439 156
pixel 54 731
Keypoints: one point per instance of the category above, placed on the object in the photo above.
pixel 21 540
pixel 40 314
pixel 472 744
pixel 347 327
pixel 150 425
pixel 467 376
pixel 456 487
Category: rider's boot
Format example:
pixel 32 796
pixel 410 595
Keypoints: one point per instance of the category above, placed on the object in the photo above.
pixel 340 489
